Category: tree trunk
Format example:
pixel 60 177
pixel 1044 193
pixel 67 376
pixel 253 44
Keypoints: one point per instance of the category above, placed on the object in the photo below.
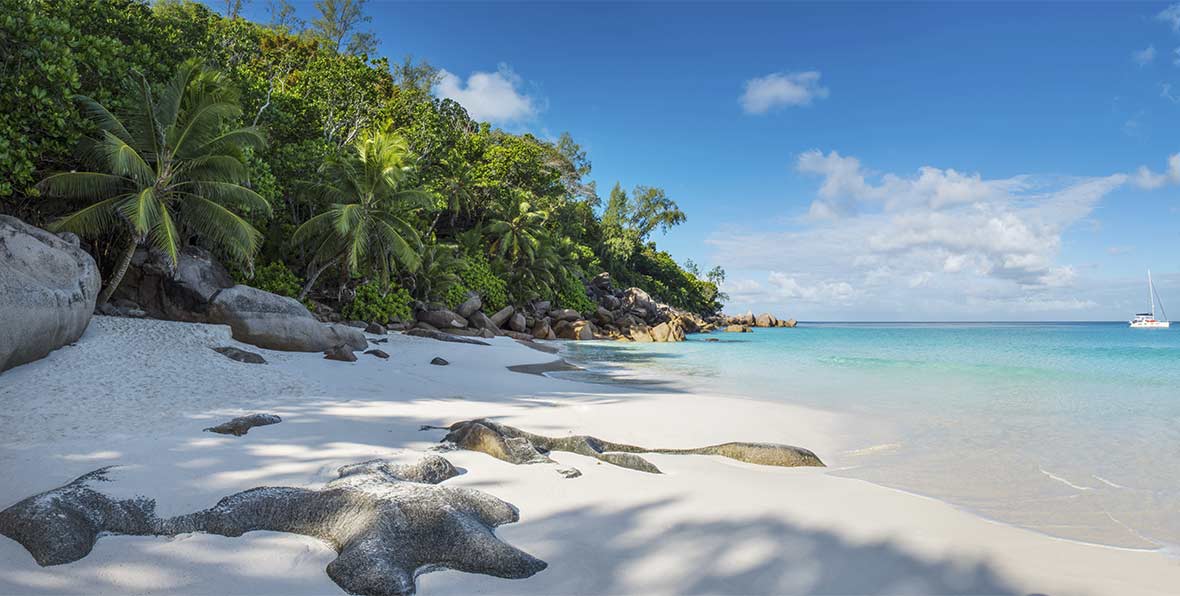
pixel 120 271
pixel 315 274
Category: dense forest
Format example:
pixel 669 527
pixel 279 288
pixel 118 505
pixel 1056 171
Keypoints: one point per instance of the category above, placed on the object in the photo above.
pixel 307 165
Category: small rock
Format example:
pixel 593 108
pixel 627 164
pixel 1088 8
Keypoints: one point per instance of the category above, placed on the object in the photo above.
pixel 439 361
pixel 357 324
pixel 375 329
pixel 341 353
pixel 240 355
pixel 569 472
pixel 517 323
pixel 242 424
pixel 378 353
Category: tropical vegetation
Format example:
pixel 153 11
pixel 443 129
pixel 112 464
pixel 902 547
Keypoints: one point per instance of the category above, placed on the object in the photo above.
pixel 305 163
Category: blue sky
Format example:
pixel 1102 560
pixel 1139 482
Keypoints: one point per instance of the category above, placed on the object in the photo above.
pixel 866 161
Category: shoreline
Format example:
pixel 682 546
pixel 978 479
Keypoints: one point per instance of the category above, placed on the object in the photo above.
pixel 707 524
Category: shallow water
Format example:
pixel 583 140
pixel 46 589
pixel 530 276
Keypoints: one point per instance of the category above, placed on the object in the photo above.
pixel 1072 429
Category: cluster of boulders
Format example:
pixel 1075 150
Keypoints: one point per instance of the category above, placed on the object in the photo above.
pixel 747 322
pixel 629 315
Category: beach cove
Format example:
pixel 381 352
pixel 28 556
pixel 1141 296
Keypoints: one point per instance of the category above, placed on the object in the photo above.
pixel 706 524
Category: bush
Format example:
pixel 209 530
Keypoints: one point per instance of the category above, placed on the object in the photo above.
pixel 374 305
pixel 571 293
pixel 478 277
pixel 275 278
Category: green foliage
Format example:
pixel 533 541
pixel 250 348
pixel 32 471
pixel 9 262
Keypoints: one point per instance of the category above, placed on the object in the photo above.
pixel 168 170
pixel 510 216
pixel 275 278
pixel 477 276
pixel 571 293
pixel 374 304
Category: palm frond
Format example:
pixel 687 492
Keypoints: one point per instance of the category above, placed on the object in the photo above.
pixel 142 211
pixel 222 227
pixel 165 237
pixel 92 221
pixel 240 137
pixel 123 160
pixel 83 185
pixel 102 118
pixel 227 193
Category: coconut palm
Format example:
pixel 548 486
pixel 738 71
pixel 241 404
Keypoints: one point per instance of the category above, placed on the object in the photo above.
pixel 167 170
pixel 368 224
pixel 518 235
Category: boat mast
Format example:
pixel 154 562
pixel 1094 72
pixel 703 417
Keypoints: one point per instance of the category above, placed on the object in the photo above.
pixel 1151 293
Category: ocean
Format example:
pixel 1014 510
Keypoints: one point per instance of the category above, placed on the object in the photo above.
pixel 1070 429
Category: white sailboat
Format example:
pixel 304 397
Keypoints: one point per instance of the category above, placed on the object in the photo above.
pixel 1147 320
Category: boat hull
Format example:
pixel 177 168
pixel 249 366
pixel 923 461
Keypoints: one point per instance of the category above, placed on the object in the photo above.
pixel 1150 324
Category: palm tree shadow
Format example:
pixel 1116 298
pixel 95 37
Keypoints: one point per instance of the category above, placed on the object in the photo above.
pixel 759 555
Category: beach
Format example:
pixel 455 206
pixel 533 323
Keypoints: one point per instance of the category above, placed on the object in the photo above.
pixel 137 394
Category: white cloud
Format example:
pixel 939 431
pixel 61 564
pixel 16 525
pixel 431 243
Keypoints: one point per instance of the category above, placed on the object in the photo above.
pixel 777 90
pixel 1115 251
pixel 1145 56
pixel 1146 179
pixel 937 242
pixel 825 291
pixel 1171 16
pixel 489 96
pixel 844 186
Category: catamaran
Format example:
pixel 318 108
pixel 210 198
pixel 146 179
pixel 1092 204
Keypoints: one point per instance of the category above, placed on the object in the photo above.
pixel 1147 320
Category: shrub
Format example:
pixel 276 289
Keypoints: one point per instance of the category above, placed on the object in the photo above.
pixel 571 293
pixel 275 278
pixel 478 277
pixel 374 305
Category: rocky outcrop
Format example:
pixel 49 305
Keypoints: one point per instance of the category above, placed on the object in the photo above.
pixel 240 355
pixel 278 323
pixel 242 424
pixel 441 318
pixel 48 288
pixel 519 447
pixel 180 292
pixel 388 523
pixel 737 328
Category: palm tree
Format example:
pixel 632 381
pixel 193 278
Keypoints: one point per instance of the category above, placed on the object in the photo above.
pixel 518 235
pixel 368 223
pixel 167 170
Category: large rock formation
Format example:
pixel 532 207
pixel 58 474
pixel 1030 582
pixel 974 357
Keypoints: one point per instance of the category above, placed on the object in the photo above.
pixel 48 287
pixel 441 318
pixel 180 293
pixel 388 523
pixel 519 447
pixel 278 323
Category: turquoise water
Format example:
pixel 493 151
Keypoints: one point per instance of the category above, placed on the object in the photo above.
pixel 1071 429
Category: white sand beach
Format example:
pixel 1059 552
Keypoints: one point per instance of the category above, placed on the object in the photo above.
pixel 137 393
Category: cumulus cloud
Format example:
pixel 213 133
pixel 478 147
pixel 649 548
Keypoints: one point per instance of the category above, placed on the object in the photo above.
pixel 777 90
pixel 489 96
pixel 1147 179
pixel 934 241
pixel 844 186
pixel 1145 56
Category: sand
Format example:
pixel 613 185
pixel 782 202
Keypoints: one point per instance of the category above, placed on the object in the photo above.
pixel 137 393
